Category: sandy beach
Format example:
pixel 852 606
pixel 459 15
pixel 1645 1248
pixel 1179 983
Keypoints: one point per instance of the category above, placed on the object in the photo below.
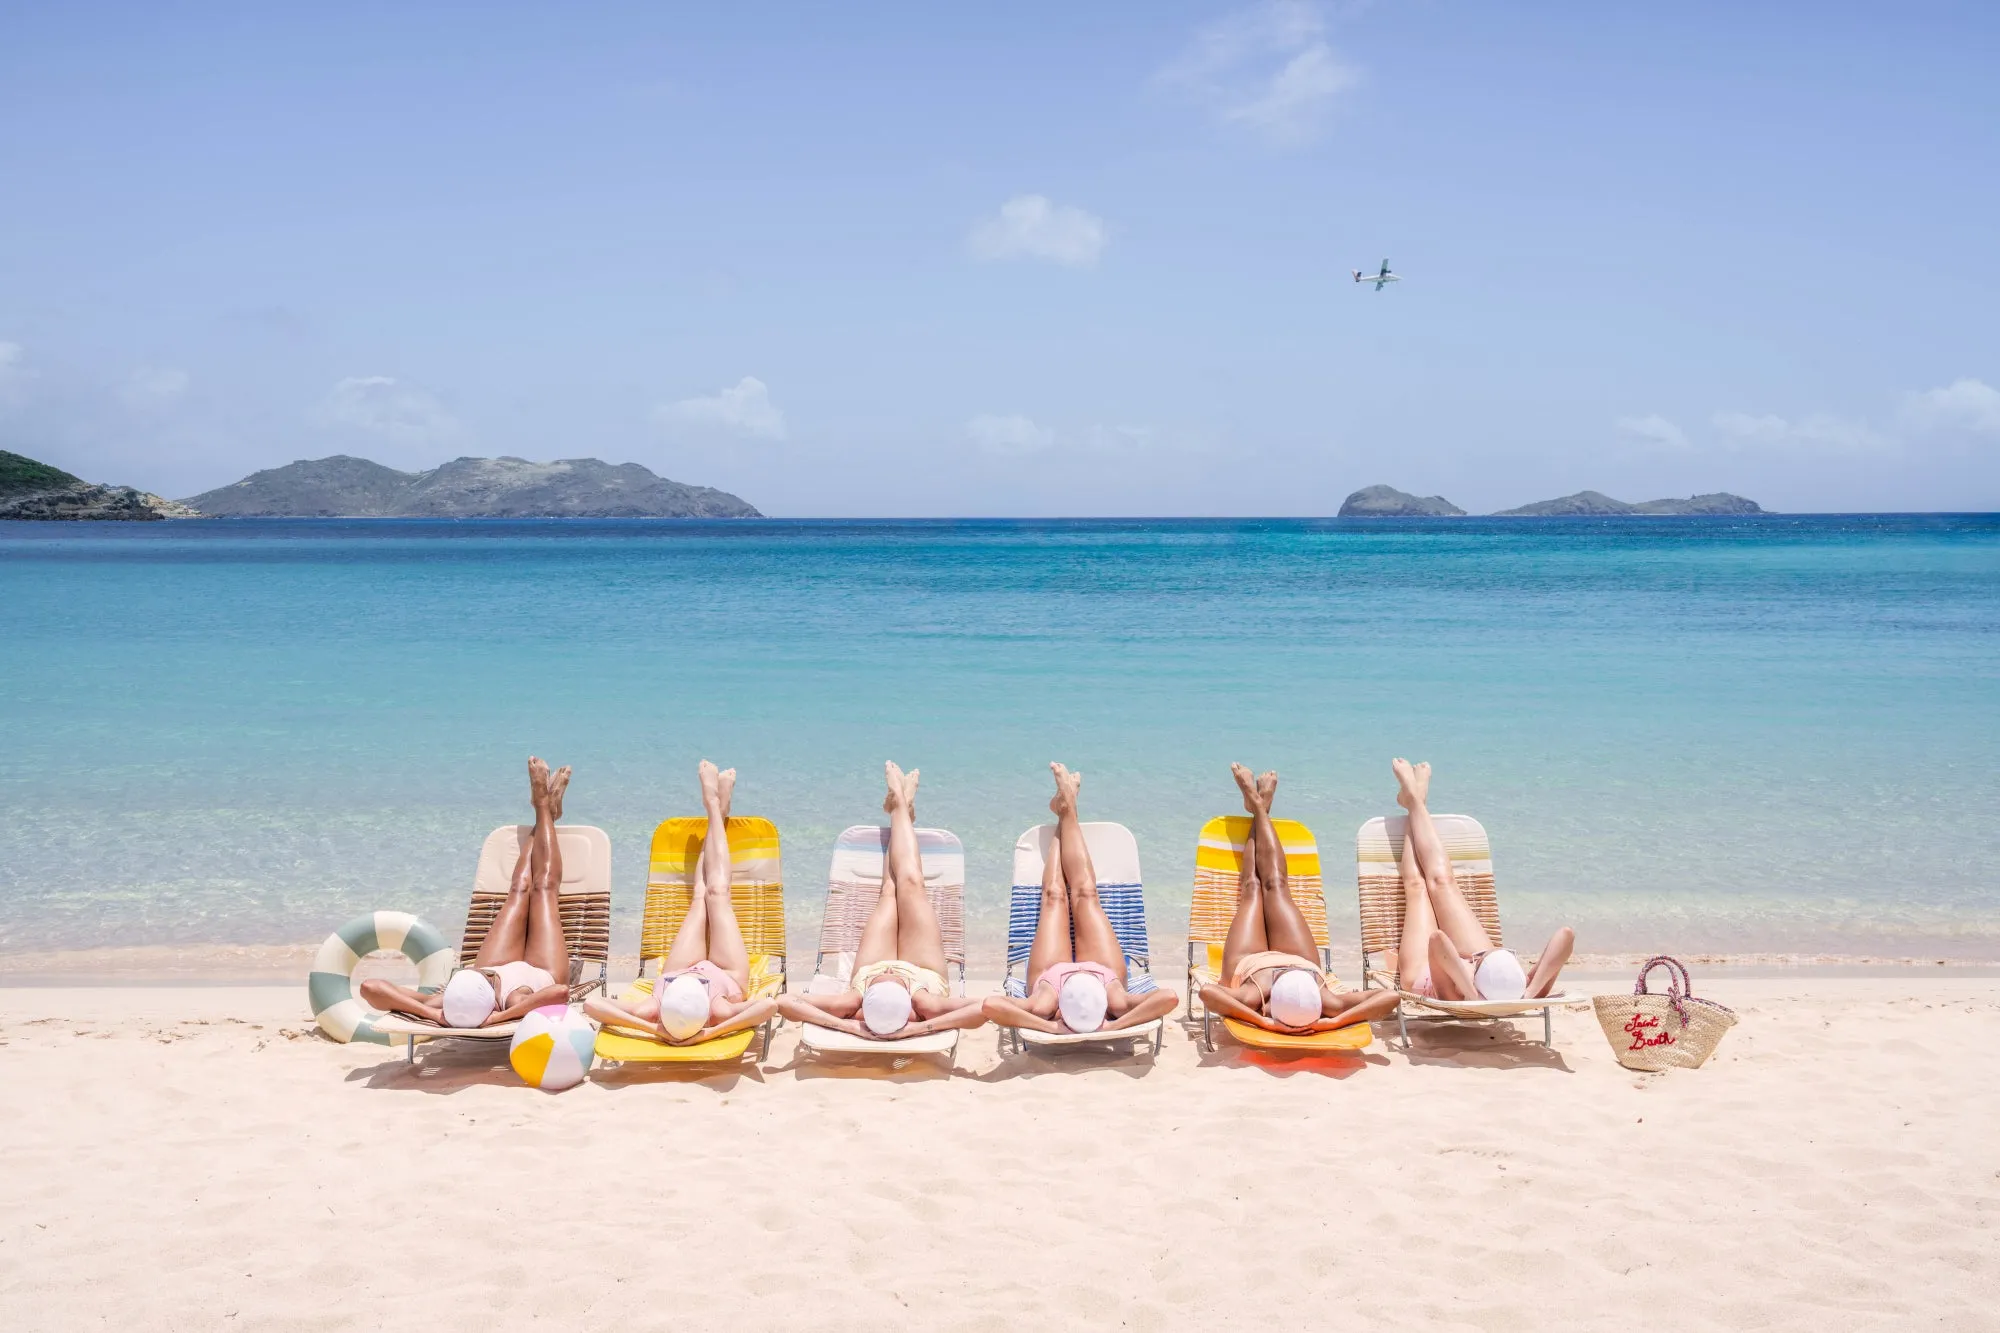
pixel 197 1157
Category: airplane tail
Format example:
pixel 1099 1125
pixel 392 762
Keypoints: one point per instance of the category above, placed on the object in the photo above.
pixel 1358 277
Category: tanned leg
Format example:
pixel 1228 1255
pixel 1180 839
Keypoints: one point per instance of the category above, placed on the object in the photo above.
pixel 1413 949
pixel 546 947
pixel 879 933
pixel 918 938
pixel 1052 930
pixel 1246 929
pixel 507 938
pixel 725 937
pixel 1284 923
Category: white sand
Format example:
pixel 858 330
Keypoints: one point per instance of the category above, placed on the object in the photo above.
pixel 193 1158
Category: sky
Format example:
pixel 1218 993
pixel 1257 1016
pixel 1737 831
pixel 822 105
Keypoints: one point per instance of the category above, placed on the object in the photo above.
pixel 1024 259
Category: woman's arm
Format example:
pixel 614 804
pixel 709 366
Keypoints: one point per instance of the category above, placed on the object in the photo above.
pixel 553 994
pixel 747 1014
pixel 1224 1001
pixel 1009 1013
pixel 801 1010
pixel 1155 1004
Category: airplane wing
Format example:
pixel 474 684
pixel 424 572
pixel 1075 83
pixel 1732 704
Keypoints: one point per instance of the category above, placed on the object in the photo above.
pixel 1385 269
pixel 1379 284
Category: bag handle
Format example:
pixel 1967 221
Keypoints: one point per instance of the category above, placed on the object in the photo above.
pixel 1679 987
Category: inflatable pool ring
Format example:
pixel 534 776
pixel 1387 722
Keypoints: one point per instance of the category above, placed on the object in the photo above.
pixel 553 1048
pixel 336 1009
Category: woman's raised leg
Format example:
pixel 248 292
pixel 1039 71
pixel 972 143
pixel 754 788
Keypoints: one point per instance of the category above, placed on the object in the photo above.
pixel 1246 929
pixel 546 947
pixel 879 933
pixel 918 937
pixel 1413 946
pixel 1052 928
pixel 690 944
pixel 725 937
pixel 1284 924
pixel 507 938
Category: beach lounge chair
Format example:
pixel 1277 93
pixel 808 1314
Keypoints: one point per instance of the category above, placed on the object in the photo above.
pixel 1218 864
pixel 585 903
pixel 756 888
pixel 1378 850
pixel 853 886
pixel 1115 855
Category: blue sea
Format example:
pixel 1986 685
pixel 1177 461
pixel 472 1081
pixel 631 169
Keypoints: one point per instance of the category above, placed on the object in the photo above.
pixel 1768 735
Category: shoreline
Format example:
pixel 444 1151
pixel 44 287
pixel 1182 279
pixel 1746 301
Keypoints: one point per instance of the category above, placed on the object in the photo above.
pixel 212 965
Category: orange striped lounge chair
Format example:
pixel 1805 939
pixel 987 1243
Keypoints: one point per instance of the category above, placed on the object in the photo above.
pixel 1218 864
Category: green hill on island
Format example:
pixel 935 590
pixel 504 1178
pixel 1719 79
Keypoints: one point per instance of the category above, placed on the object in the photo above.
pixel 347 487
pixel 35 490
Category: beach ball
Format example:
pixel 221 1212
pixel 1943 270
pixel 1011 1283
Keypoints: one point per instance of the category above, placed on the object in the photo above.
pixel 553 1048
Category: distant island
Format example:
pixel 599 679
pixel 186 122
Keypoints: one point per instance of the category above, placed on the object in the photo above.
pixel 1595 504
pixel 1388 502
pixel 32 490
pixel 345 487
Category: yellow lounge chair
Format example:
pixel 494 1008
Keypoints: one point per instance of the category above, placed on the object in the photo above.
pixel 585 904
pixel 756 888
pixel 1218 865
pixel 1378 854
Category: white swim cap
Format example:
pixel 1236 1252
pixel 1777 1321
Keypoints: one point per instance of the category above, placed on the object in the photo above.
pixel 684 1006
pixel 468 999
pixel 1500 976
pixel 885 1008
pixel 1295 998
pixel 1082 1002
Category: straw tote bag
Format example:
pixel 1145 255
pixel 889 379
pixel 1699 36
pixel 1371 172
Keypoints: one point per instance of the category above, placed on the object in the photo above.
pixel 1670 1031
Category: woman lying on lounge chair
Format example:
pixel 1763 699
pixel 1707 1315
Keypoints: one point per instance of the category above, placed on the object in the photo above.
pixel 1445 953
pixel 524 953
pixel 1080 987
pixel 1270 969
pixel 705 976
pixel 899 988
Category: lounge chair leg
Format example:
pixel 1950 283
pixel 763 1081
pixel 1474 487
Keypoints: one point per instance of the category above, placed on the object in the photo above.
pixel 1548 1029
pixel 410 1050
pixel 1403 1024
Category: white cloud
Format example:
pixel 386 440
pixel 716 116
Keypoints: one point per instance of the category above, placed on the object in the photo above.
pixel 1009 435
pixel 1819 432
pixel 1269 69
pixel 384 406
pixel 153 386
pixel 1030 225
pixel 1654 429
pixel 1964 404
pixel 744 408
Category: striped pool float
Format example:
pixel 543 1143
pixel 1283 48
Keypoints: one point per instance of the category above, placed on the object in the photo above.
pixel 1114 856
pixel 331 983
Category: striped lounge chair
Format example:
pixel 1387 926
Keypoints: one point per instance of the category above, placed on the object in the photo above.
pixel 1115 855
pixel 1218 863
pixel 585 904
pixel 854 884
pixel 756 888
pixel 1378 855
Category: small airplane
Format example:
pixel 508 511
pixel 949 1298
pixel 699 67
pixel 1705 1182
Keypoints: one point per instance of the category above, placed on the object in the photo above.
pixel 1377 278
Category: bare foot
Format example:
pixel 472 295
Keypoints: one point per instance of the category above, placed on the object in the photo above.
pixel 1248 783
pixel 1423 772
pixel 1067 784
pixel 558 784
pixel 710 795
pixel 910 780
pixel 1406 783
pixel 725 788
pixel 1267 789
pixel 895 778
pixel 538 781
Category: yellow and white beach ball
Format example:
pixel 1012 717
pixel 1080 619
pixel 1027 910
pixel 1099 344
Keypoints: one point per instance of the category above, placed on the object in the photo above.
pixel 553 1048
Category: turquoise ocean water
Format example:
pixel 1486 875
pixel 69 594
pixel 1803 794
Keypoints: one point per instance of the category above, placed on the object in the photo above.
pixel 1682 734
